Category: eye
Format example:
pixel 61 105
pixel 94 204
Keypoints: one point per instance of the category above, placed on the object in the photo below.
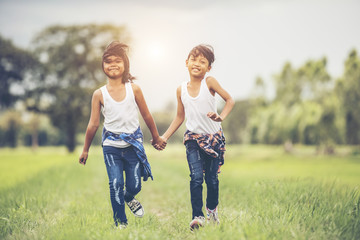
pixel 108 60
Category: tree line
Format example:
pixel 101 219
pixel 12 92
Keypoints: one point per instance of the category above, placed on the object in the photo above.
pixel 310 107
pixel 52 82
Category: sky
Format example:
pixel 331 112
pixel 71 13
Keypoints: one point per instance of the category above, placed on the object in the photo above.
pixel 251 38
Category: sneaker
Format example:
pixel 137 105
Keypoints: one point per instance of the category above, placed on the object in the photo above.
pixel 122 225
pixel 197 222
pixel 212 215
pixel 136 208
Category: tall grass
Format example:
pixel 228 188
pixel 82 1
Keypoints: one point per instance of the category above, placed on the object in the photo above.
pixel 264 194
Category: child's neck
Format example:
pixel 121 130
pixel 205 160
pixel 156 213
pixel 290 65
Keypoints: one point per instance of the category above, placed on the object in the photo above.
pixel 115 82
pixel 195 79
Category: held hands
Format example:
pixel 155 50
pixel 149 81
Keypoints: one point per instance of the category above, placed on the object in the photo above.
pixel 215 117
pixel 159 143
pixel 83 157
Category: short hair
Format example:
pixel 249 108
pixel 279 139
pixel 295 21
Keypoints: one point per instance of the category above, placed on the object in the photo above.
pixel 116 48
pixel 203 49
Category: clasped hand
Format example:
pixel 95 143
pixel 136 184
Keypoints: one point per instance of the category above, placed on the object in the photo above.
pixel 159 143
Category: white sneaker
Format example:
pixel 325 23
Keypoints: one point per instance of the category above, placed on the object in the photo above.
pixel 136 208
pixel 212 215
pixel 122 225
pixel 197 222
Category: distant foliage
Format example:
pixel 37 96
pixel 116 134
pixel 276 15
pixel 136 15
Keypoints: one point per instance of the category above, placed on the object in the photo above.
pixel 71 71
pixel 309 107
pixel 58 74
pixel 15 67
pixel 349 91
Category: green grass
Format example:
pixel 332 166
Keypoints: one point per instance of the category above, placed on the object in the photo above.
pixel 264 194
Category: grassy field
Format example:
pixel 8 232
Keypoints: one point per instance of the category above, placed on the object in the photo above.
pixel 264 194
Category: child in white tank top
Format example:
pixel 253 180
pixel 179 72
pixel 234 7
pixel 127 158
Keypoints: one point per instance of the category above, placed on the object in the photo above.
pixel 120 100
pixel 204 139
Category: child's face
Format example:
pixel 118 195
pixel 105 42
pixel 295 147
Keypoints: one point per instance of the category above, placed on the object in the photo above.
pixel 113 67
pixel 197 66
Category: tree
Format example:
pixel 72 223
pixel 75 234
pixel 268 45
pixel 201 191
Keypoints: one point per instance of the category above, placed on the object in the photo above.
pixel 305 109
pixel 258 93
pixel 71 58
pixel 315 80
pixel 236 123
pixel 318 90
pixel 288 87
pixel 15 64
pixel 10 125
pixel 349 89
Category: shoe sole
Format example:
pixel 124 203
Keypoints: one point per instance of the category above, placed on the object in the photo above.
pixel 139 216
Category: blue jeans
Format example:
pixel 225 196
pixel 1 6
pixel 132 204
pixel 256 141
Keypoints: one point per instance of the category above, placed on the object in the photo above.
pixel 118 160
pixel 200 162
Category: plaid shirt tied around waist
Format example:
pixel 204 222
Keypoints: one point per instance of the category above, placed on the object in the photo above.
pixel 212 144
pixel 132 138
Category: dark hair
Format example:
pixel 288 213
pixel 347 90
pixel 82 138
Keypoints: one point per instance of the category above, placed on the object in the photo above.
pixel 206 50
pixel 115 48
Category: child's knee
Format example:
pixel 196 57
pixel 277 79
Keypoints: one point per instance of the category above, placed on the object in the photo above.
pixel 116 184
pixel 212 180
pixel 116 190
pixel 197 177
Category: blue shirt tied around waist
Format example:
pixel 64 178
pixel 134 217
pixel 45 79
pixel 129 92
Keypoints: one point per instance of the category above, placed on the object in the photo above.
pixel 132 138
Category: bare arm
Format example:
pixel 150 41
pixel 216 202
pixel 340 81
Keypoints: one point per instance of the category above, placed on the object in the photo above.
pixel 215 87
pixel 179 118
pixel 149 120
pixel 93 125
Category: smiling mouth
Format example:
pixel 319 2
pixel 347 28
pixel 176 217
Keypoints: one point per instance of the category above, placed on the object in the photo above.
pixel 113 71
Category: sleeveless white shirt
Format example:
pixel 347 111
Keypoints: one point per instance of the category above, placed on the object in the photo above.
pixel 120 117
pixel 197 108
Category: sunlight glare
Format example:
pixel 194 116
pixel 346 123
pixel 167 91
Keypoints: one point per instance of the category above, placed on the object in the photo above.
pixel 156 52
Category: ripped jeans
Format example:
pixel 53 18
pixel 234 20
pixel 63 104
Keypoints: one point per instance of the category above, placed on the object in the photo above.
pixel 200 162
pixel 118 160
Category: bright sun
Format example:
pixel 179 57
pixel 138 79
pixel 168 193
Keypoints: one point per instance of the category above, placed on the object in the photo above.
pixel 156 52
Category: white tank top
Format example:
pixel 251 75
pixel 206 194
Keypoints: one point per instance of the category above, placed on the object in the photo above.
pixel 197 108
pixel 120 117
